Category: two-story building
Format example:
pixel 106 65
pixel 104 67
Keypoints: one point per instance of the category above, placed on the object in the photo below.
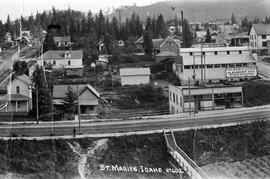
pixel 71 59
pixel 213 65
pixel 259 34
pixel 19 96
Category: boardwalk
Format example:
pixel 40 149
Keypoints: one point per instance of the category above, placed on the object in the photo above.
pixel 187 164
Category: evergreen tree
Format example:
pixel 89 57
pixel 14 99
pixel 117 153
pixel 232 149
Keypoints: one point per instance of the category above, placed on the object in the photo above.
pixel 233 19
pixel 139 26
pixel 108 43
pixel 49 43
pixel 132 25
pixel 8 25
pixel 148 25
pixel 188 39
pixel 20 68
pixel 70 101
pixel 115 28
pixel 208 36
pixel 100 25
pixel 161 27
pixel 44 98
pixel 147 42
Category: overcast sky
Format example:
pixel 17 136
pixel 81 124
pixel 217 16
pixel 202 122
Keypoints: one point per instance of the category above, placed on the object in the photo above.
pixel 15 8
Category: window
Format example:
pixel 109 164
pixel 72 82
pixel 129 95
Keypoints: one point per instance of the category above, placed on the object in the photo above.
pixel 187 67
pixel 180 101
pixel 83 109
pixel 173 98
pixel 228 52
pixel 263 36
pixel 91 107
pixel 69 63
pixel 177 99
pixel 216 53
pixel 17 89
pixel 223 65
pixel 217 66
pixel 240 52
pixel 239 65
pixel 44 63
pixel 203 53
pixel 54 63
pixel 209 66
pixel 190 53
pixel 264 44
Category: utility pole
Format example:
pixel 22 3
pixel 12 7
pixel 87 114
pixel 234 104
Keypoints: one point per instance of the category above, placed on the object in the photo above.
pixel 79 110
pixel 183 28
pixel 37 105
pixel 202 64
pixel 194 145
pixel 189 96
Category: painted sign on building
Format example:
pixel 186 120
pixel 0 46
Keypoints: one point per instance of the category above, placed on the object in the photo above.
pixel 241 72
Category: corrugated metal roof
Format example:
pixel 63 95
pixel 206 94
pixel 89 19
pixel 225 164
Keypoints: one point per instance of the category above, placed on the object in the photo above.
pixel 59 54
pixel 220 59
pixel 213 49
pixel 134 71
pixel 261 29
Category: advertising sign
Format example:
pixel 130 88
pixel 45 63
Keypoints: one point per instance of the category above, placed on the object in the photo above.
pixel 241 72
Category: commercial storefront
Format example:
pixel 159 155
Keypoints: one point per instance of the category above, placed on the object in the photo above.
pixel 213 65
pixel 201 98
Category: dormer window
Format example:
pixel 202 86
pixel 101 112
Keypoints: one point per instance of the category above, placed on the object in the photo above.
pixel 67 55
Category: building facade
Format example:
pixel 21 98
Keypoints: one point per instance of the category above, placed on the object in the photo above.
pixel 71 59
pixel 135 76
pixel 88 98
pixel 19 96
pixel 200 98
pixel 259 34
pixel 213 65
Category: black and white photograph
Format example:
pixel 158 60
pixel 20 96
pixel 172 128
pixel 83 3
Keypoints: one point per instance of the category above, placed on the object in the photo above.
pixel 135 89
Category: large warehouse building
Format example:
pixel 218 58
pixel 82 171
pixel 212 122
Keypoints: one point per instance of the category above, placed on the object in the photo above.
pixel 213 65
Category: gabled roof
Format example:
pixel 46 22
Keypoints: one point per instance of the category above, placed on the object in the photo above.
pixel 59 54
pixel 59 91
pixel 157 42
pixel 168 39
pixel 24 78
pixel 14 97
pixel 261 29
pixel 134 71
